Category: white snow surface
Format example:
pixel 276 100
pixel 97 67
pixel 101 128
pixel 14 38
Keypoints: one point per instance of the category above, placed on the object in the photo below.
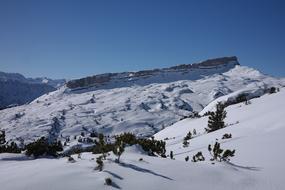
pixel 143 108
pixel 258 136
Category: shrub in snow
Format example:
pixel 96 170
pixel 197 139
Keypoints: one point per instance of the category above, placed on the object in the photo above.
pixel 241 98
pixel 187 158
pixel 216 119
pixel 93 134
pixel 42 147
pixel 198 157
pixel 108 181
pixel 185 143
pixel 101 147
pixel 118 150
pixel 12 148
pixel 171 155
pixel 227 136
pixel 272 90
pixel 100 163
pixel 151 146
pixel 188 136
pixel 219 154
pixel 194 132
pixel 127 138
pixel 71 159
pixel 141 159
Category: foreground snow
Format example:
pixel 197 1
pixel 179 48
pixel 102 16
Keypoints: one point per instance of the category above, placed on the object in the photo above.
pixel 258 136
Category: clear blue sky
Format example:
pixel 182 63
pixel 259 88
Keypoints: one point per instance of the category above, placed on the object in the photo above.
pixel 75 38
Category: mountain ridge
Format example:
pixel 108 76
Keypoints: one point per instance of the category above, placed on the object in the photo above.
pixel 210 66
pixel 143 108
pixel 18 90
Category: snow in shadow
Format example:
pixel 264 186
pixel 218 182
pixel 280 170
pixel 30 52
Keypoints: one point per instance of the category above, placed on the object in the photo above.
pixel 115 185
pixel 15 157
pixel 139 169
pixel 244 167
pixel 114 175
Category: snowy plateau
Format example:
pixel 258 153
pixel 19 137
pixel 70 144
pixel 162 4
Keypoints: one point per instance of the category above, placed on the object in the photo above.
pixel 157 103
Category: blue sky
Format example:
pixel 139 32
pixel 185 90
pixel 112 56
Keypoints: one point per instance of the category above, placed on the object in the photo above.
pixel 73 38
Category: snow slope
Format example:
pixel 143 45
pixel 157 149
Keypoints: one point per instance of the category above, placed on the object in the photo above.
pixel 142 108
pixel 258 138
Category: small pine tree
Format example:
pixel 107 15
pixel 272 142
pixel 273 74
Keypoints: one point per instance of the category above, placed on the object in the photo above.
pixel 272 90
pixel 171 155
pixel 118 150
pixel 194 132
pixel 185 143
pixel 187 158
pixel 188 136
pixel 198 157
pixel 216 119
pixel 100 163
pixel 102 145
pixel 227 136
pixel 108 181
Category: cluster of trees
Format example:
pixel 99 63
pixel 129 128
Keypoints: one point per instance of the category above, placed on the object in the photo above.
pixel 7 147
pixel 215 122
pixel 219 154
pixel 151 146
pixel 42 147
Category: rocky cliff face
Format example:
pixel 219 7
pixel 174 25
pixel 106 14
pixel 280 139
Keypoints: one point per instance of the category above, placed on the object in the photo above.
pixel 145 77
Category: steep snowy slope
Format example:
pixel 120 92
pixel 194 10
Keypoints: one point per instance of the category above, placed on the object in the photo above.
pixel 140 107
pixel 257 135
pixel 258 165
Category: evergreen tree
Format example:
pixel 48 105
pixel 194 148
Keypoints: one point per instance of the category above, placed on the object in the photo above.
pixel 185 143
pixel 187 158
pixel 216 119
pixel 102 145
pixel 100 164
pixel 171 155
pixel 198 157
pixel 2 137
pixel 194 132
pixel 118 150
pixel 188 136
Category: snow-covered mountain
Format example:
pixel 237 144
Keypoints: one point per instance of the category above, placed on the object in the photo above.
pixel 56 83
pixel 139 102
pixel 18 90
pixel 257 136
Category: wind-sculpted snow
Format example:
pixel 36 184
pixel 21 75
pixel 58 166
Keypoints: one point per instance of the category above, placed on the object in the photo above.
pixel 140 109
